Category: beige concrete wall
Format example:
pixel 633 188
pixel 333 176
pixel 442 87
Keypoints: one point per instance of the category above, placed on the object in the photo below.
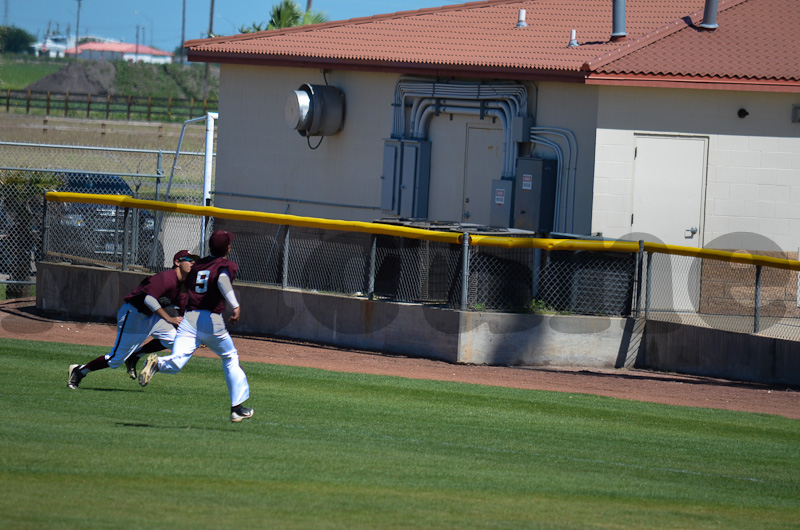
pixel 453 336
pixel 574 107
pixel 753 162
pixel 258 154
pixel 387 327
pixel 682 348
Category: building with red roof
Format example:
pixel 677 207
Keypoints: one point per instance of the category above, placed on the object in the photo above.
pixel 121 51
pixel 665 120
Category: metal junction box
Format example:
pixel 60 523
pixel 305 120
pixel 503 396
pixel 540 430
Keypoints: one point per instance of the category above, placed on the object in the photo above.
pixel 534 194
pixel 500 210
pixel 406 177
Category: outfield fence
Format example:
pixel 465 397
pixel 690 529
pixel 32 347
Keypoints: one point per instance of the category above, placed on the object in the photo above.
pixel 106 107
pixel 735 291
pixel 94 234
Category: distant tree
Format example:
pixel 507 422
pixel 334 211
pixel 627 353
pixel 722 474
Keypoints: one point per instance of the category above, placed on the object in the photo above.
pixel 287 14
pixel 15 40
pixel 252 28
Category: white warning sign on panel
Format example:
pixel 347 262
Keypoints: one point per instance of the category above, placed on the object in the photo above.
pixel 499 196
pixel 527 181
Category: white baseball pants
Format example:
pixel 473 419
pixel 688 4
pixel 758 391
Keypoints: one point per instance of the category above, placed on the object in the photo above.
pixel 133 329
pixel 205 327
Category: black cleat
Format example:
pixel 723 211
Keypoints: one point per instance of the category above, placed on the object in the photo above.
pixel 75 376
pixel 130 365
pixel 239 413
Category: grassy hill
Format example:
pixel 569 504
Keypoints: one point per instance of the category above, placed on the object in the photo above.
pixel 16 74
pixel 116 78
pixel 169 80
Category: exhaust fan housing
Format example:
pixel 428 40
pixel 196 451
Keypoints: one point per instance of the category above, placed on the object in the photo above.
pixel 315 110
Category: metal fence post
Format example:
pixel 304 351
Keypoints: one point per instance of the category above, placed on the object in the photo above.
pixel 124 237
pixel 159 171
pixel 45 227
pixel 373 256
pixel 536 273
pixel 464 270
pixel 757 310
pixel 285 278
pixel 639 258
pixel 648 285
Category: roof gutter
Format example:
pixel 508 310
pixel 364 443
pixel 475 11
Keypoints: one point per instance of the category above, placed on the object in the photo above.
pixel 409 68
pixel 709 83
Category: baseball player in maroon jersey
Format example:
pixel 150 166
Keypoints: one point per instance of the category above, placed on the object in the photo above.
pixel 141 316
pixel 209 288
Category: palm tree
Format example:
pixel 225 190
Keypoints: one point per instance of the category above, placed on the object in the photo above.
pixel 287 14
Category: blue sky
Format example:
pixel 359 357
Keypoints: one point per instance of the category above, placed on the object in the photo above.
pixel 161 19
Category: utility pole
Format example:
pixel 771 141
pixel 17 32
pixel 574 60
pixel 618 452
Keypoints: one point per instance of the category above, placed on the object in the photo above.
pixel 208 65
pixel 183 32
pixel 150 20
pixel 78 28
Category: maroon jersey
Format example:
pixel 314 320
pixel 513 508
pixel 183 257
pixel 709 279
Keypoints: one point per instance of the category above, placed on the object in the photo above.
pixel 204 292
pixel 164 287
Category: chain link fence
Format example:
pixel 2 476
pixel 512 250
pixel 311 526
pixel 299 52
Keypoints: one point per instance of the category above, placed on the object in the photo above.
pixel 720 294
pixel 91 233
pixel 723 294
pixel 740 297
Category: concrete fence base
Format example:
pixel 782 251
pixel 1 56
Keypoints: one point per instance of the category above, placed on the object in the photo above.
pixel 453 336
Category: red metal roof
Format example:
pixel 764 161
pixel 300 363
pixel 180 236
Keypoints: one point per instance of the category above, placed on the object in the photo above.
pixel 754 41
pixel 119 47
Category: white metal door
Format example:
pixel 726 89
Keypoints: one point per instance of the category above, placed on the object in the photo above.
pixel 668 195
pixel 483 162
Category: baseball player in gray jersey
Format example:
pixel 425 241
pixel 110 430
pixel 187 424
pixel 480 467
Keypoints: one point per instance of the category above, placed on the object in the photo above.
pixel 210 288
pixel 141 316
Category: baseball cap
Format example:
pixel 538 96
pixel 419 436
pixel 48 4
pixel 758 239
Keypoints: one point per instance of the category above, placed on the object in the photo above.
pixel 185 255
pixel 219 241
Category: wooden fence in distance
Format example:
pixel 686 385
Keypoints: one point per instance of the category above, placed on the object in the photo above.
pixel 104 107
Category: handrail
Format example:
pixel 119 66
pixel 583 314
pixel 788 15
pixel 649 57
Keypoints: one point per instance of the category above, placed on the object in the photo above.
pixel 419 233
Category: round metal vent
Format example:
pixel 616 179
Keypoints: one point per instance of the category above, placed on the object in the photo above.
pixel 315 110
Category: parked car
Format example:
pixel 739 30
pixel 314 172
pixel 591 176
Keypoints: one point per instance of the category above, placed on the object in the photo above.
pixel 95 232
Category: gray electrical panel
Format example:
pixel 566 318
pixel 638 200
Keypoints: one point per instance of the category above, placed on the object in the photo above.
pixel 406 177
pixel 500 210
pixel 390 186
pixel 535 194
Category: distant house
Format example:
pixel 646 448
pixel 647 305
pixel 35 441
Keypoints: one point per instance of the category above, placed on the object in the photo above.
pixel 676 120
pixel 121 51
pixel 54 46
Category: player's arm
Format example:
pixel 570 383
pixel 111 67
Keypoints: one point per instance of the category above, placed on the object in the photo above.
pixel 151 302
pixel 226 288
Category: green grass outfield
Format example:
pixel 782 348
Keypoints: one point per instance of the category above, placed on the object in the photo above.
pixel 337 450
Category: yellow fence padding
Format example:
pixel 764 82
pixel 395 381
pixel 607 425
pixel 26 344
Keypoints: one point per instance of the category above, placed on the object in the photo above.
pixel 125 201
